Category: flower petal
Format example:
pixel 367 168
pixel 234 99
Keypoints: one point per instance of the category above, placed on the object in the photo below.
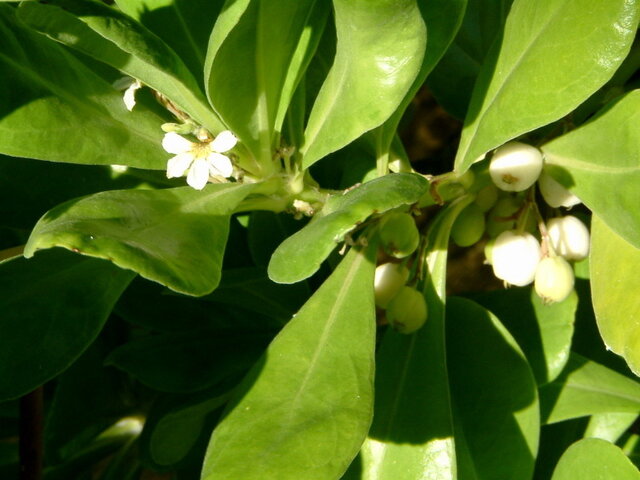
pixel 198 174
pixel 176 166
pixel 129 96
pixel 174 143
pixel 224 142
pixel 220 164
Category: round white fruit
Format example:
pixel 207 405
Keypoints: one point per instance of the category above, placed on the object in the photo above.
pixel 554 193
pixel 388 280
pixel 515 257
pixel 515 166
pixel 569 237
pixel 407 311
pixel 554 279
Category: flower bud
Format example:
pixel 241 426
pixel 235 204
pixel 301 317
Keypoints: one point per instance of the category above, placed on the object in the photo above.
pixel 407 311
pixel 399 234
pixel 515 166
pixel 569 237
pixel 468 227
pixel 554 279
pixel 389 279
pixel 554 193
pixel 515 257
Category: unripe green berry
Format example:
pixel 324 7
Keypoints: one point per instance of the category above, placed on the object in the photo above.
pixel 569 237
pixel 488 251
pixel 389 279
pixel 554 279
pixel 487 197
pixel 505 208
pixel 554 193
pixel 399 234
pixel 407 311
pixel 515 166
pixel 515 257
pixel 468 227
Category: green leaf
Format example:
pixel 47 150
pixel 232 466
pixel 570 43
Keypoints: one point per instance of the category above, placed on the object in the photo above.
pixel 595 459
pixel 170 436
pixel 185 25
pixel 614 281
pixel 412 423
pixel 53 307
pixel 453 77
pixel 300 256
pixel 609 426
pixel 304 410
pixel 184 362
pixel 112 37
pixel 175 237
pixel 601 172
pixel 494 396
pixel 52 107
pixel 255 49
pixel 553 55
pixel 587 388
pixel 380 47
pixel 543 331
pixel 443 18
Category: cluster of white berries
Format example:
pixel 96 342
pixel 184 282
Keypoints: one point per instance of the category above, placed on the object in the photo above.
pixel 405 307
pixel 518 255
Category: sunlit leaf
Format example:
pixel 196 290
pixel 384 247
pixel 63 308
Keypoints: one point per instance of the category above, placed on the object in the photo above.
pixel 614 281
pixel 552 56
pixel 604 173
pixel 300 255
pixel 176 236
pixel 595 459
pixel 313 387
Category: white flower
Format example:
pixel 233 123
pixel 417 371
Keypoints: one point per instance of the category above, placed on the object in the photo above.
pixel 200 159
pixel 130 86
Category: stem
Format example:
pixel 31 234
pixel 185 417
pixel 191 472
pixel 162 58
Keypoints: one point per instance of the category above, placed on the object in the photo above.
pixel 31 436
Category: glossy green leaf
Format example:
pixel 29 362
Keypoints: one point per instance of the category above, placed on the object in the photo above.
pixel 171 437
pixel 595 459
pixel 185 25
pixel 175 236
pixel 300 256
pixel 609 426
pixel 543 331
pixel 494 395
pixel 266 231
pixel 183 362
pixel 380 47
pixel 601 172
pixel 53 107
pixel 305 408
pixel 587 388
pixel 614 281
pixel 442 18
pixel 112 37
pixel 412 432
pixel 254 48
pixel 553 55
pixel 53 306
pixel 451 81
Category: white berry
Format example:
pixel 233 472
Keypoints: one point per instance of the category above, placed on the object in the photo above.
pixel 515 166
pixel 388 280
pixel 554 193
pixel 554 279
pixel 515 257
pixel 569 237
